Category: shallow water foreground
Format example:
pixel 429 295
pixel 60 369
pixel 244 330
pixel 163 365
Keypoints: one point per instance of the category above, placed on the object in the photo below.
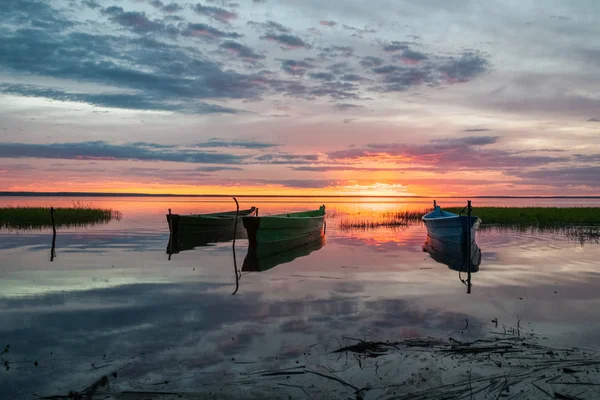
pixel 112 302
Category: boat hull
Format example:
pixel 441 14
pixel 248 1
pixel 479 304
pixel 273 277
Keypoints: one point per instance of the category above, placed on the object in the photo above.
pixel 452 229
pixel 285 230
pixel 189 231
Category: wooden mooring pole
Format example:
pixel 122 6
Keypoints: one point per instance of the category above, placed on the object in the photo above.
pixel 469 260
pixel 53 250
pixel 171 234
pixel 235 269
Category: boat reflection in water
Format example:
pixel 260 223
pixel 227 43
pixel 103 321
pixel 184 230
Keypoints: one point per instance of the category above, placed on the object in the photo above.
pixel 189 241
pixel 462 257
pixel 265 257
pixel 454 255
pixel 281 238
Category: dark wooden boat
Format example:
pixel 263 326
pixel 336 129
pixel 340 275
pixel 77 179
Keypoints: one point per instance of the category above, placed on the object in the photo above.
pixel 206 222
pixel 190 231
pixel 276 256
pixel 454 255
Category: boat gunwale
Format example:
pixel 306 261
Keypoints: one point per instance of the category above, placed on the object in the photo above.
pixel 221 215
pixel 289 215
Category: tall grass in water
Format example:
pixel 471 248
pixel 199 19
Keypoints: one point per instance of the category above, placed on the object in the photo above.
pixel 39 217
pixel 386 219
pixel 535 216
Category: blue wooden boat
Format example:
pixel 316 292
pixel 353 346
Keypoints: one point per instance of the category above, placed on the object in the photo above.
pixel 450 227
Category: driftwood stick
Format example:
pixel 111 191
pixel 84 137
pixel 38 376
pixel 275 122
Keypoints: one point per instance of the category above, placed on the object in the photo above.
pixel 333 378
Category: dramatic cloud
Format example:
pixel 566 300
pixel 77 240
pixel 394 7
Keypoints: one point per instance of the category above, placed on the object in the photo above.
pixel 218 169
pixel 563 177
pixel 270 26
pixel 370 61
pixel 101 150
pixel 352 78
pixel 171 8
pixel 336 51
pixel 463 153
pixel 432 71
pixel 333 168
pixel 244 52
pixel 216 67
pixel 347 107
pixel 203 30
pixel 117 100
pixel 235 143
pixel 328 23
pixel 357 32
pixel 91 4
pixel 412 57
pixel 322 76
pixel 303 183
pixel 286 41
pixel 154 69
pixel 463 68
pixel 219 14
pixel 134 21
pixel 395 46
pixel 294 67
pixel 291 159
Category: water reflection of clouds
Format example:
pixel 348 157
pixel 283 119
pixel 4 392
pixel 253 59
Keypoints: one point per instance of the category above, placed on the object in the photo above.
pixel 85 241
pixel 186 320
pixel 172 322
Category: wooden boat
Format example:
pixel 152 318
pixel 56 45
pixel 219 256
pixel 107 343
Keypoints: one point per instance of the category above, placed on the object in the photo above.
pixel 275 256
pixel 214 222
pixel 454 255
pixel 189 231
pixel 450 227
pixel 287 230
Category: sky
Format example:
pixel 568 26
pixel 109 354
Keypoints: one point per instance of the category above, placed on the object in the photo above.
pixel 384 97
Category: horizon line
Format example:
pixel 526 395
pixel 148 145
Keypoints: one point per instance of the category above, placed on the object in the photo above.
pixel 110 194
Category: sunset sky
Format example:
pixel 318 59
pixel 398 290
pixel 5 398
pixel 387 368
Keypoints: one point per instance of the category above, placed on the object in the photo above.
pixel 382 97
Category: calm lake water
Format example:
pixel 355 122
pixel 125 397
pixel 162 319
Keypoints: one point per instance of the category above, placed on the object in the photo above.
pixel 112 297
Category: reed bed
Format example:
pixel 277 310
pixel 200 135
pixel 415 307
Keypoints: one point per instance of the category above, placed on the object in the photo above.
pixel 386 219
pixel 535 216
pixel 515 217
pixel 39 217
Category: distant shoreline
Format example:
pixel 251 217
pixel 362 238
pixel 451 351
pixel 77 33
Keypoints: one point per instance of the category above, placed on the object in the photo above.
pixel 95 194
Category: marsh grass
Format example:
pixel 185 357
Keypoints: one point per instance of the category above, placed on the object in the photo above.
pixel 39 217
pixel 535 216
pixel 514 217
pixel 386 219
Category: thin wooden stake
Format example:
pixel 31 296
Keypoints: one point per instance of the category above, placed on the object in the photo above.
pixel 237 278
pixel 171 238
pixel 53 250
pixel 469 246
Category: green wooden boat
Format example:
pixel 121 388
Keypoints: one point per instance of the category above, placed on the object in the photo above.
pixel 254 263
pixel 293 228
